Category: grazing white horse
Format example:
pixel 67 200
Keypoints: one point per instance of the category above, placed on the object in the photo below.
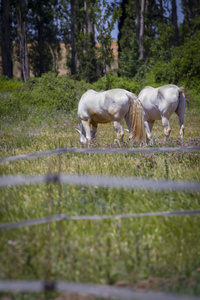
pixel 160 103
pixel 107 106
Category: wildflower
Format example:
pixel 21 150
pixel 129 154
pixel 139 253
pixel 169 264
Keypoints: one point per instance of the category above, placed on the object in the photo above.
pixel 138 166
pixel 82 189
pixel 12 243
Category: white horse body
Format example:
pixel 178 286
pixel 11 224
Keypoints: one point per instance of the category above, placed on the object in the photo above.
pixel 107 106
pixel 161 103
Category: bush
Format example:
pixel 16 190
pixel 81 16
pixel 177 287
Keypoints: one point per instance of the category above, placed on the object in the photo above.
pixel 184 66
pixel 112 82
pixel 54 91
pixel 48 91
pixel 8 91
pixel 7 85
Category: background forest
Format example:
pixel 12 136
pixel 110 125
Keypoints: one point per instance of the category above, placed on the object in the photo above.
pixel 150 40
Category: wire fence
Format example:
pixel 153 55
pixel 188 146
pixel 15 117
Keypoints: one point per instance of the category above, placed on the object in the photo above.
pixel 102 291
pixel 100 151
pixel 95 290
pixel 102 181
pixel 62 217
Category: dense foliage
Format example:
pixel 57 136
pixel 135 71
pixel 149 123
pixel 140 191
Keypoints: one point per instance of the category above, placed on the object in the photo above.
pixel 150 38
pixel 168 61
pixel 49 91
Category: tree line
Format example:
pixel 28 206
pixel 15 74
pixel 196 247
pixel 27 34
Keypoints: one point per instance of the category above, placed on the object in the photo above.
pixel 32 30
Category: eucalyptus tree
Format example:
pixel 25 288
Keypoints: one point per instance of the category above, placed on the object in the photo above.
pixel 88 67
pixel 191 21
pixel 175 23
pixel 21 12
pixel 6 38
pixel 141 37
pixel 88 23
pixel 43 35
pixel 72 27
pixel 128 38
pixel 78 34
pixel 141 26
pixel 106 15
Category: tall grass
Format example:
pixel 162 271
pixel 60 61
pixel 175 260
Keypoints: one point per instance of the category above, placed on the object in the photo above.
pixel 157 252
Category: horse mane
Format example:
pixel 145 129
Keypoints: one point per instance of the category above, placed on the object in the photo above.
pixel 136 116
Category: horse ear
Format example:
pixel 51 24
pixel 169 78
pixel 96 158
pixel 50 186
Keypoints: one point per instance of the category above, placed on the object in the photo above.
pixel 78 131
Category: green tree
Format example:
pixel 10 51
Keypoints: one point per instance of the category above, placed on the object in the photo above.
pixel 6 38
pixel 161 44
pixel 127 31
pixel 44 35
pixel 126 25
pixel 106 15
pixel 129 60
pixel 191 21
pixel 21 12
pixel 87 54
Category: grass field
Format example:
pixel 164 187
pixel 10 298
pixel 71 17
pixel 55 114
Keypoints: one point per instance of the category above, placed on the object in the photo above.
pixel 151 253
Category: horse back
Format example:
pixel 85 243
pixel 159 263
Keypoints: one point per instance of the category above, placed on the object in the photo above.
pixel 103 107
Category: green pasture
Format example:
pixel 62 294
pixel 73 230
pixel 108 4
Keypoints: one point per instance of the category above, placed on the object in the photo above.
pixel 151 253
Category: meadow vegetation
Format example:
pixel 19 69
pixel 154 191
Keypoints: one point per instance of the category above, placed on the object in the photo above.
pixel 153 253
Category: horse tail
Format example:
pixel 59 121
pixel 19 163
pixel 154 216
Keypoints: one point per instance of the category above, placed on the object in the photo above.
pixel 181 101
pixel 181 90
pixel 136 117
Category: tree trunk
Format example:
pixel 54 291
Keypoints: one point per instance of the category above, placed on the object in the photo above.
pixel 40 39
pixel 88 28
pixel 161 9
pixel 175 23
pixel 142 30
pixel 137 19
pixel 73 63
pixel 6 43
pixel 85 27
pixel 21 20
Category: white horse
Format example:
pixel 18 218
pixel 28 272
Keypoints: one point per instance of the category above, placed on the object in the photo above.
pixel 160 103
pixel 107 106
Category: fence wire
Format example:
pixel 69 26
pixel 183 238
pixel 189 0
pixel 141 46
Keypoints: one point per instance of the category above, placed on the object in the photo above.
pixel 96 290
pixel 101 291
pixel 103 181
pixel 100 151
pixel 97 218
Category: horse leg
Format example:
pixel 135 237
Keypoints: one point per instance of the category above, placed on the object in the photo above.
pixel 148 127
pixel 119 131
pixel 182 129
pixel 167 128
pixel 86 125
pixel 180 114
pixel 94 130
pixel 180 111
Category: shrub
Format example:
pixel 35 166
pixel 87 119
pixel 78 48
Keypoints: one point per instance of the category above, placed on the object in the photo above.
pixel 54 91
pixel 48 91
pixel 184 66
pixel 8 91
pixel 112 82
pixel 7 85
